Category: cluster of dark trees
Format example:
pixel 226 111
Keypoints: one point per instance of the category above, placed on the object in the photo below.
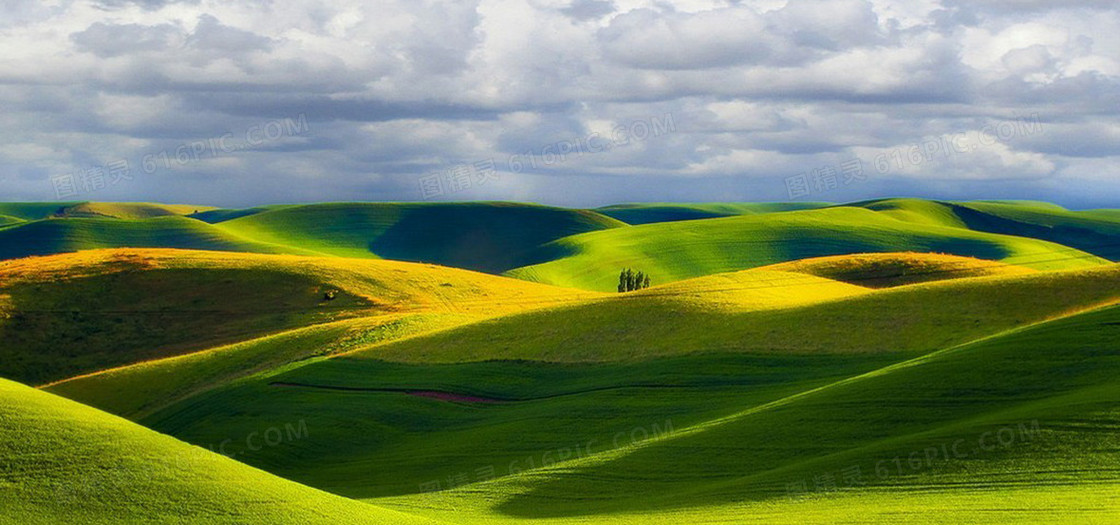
pixel 629 281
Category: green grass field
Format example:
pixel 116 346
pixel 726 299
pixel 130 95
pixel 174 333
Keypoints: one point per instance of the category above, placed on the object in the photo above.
pixel 553 430
pixel 70 234
pixel 30 211
pixel 888 361
pixel 67 315
pixel 490 237
pixel 67 463
pixel 581 248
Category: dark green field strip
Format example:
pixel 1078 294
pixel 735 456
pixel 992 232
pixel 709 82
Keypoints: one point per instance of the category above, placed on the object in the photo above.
pixel 459 397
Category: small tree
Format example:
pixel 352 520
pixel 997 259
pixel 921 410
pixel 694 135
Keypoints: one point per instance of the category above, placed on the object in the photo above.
pixel 629 281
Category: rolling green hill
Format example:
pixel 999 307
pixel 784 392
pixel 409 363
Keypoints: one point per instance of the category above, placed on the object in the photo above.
pixel 581 248
pixel 71 314
pixel 1085 231
pixel 566 375
pixel 884 270
pixel 646 213
pixel 62 462
pixel 137 390
pixel 30 211
pixel 489 237
pixel 680 250
pixel 119 210
pixel 1016 428
pixel 64 235
pixel 915 318
pixel 725 296
pixel 887 361
pixel 128 210
pixel 918 211
pixel 1096 232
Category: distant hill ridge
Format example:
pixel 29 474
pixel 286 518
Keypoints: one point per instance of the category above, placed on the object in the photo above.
pixel 580 247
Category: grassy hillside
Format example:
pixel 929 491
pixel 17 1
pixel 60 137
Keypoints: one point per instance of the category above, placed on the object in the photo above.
pixel 489 237
pixel 1094 233
pixel 1017 428
pixel 137 390
pixel 118 210
pixel 580 248
pixel 788 366
pixel 884 270
pixel 713 388
pixel 129 210
pixel 113 309
pixel 915 318
pixel 646 213
pixel 65 235
pixel 680 250
pixel 66 315
pixel 62 462
pixel 371 439
pixel 918 211
pixel 226 214
pixel 30 211
pixel 746 290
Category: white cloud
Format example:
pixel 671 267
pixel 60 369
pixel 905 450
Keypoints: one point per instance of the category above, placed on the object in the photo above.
pixel 393 89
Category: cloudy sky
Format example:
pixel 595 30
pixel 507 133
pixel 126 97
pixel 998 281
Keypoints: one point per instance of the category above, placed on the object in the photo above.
pixel 567 102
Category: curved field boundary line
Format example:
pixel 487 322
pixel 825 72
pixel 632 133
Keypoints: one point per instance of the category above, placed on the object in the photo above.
pixel 472 398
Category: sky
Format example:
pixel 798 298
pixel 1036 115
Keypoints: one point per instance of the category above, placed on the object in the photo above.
pixel 563 102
